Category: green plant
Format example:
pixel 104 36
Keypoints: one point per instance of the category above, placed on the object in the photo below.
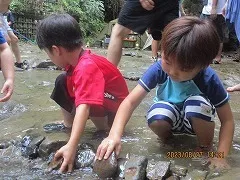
pixel 89 13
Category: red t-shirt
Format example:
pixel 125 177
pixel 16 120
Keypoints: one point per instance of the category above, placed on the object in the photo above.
pixel 96 81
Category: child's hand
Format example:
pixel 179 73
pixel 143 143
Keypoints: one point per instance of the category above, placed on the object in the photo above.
pixel 219 164
pixel 107 146
pixel 68 153
pixel 7 89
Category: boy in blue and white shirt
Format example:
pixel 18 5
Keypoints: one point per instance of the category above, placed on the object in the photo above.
pixel 188 93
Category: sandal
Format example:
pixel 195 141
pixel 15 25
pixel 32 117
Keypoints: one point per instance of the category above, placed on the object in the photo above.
pixel 55 127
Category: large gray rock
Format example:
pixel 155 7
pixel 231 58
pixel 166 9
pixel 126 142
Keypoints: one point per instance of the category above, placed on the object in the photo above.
pixel 30 145
pixel 136 168
pixel 158 170
pixel 178 170
pixel 49 146
pixel 106 168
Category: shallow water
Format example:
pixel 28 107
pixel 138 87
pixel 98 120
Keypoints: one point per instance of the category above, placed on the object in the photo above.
pixel 34 108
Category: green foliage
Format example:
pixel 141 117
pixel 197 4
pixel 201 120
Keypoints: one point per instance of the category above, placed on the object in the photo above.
pixel 89 13
pixel 27 7
pixel 193 7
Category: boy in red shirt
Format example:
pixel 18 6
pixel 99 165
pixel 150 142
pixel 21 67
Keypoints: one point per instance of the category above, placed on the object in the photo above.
pixel 91 87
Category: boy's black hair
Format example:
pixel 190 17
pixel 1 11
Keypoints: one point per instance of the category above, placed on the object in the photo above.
pixel 60 30
pixel 191 42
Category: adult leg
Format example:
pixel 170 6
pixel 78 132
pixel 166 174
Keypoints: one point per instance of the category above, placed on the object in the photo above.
pixel 155 47
pixel 114 53
pixel 221 26
pixel 218 58
pixel 15 46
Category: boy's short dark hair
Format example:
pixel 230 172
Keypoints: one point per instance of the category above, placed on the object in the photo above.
pixel 191 42
pixel 60 30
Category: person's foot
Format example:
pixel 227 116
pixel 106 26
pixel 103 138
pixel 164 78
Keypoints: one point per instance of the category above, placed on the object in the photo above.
pixel 234 88
pixel 217 61
pixel 154 59
pixel 22 65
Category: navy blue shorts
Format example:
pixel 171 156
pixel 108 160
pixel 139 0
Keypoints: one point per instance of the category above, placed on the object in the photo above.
pixel 133 16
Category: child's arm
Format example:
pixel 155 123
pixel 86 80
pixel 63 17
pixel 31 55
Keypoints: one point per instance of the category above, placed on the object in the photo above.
pixel 7 68
pixel 113 141
pixel 68 151
pixel 225 135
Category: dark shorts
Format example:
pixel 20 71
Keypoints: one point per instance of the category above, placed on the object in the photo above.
pixel 220 25
pixel 61 96
pixel 135 17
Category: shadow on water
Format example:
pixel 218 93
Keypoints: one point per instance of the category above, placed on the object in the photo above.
pixel 30 108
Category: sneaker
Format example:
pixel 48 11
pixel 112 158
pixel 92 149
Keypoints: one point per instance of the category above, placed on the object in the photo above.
pixel 19 65
pixel 154 59
pixel 23 65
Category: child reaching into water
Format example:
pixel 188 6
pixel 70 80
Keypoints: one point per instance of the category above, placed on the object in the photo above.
pixel 91 88
pixel 188 94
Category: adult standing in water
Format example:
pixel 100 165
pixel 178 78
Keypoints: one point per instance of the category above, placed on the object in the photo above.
pixel 231 11
pixel 138 16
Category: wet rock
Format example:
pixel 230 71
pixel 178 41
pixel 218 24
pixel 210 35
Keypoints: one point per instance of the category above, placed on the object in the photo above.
pixel 136 168
pixel 173 178
pixel 158 170
pixel 106 168
pixel 48 64
pixel 132 78
pixel 5 144
pixel 54 164
pixel 49 146
pixel 178 170
pixel 30 145
pixel 11 152
pixel 121 166
pixel 196 174
pixel 10 108
pixel 85 156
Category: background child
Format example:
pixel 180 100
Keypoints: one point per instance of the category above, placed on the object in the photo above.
pixel 92 87
pixel 188 91
pixel 7 67
pixel 7 31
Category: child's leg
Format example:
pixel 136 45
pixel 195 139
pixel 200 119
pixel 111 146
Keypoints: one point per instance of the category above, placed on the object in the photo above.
pixel 68 118
pixel 61 96
pixel 204 131
pixel 163 117
pixel 198 119
pixel 162 129
pixel 101 123
pixel 100 117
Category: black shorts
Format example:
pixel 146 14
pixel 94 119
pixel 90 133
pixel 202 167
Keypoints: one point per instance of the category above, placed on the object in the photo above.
pixel 219 23
pixel 61 96
pixel 133 16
